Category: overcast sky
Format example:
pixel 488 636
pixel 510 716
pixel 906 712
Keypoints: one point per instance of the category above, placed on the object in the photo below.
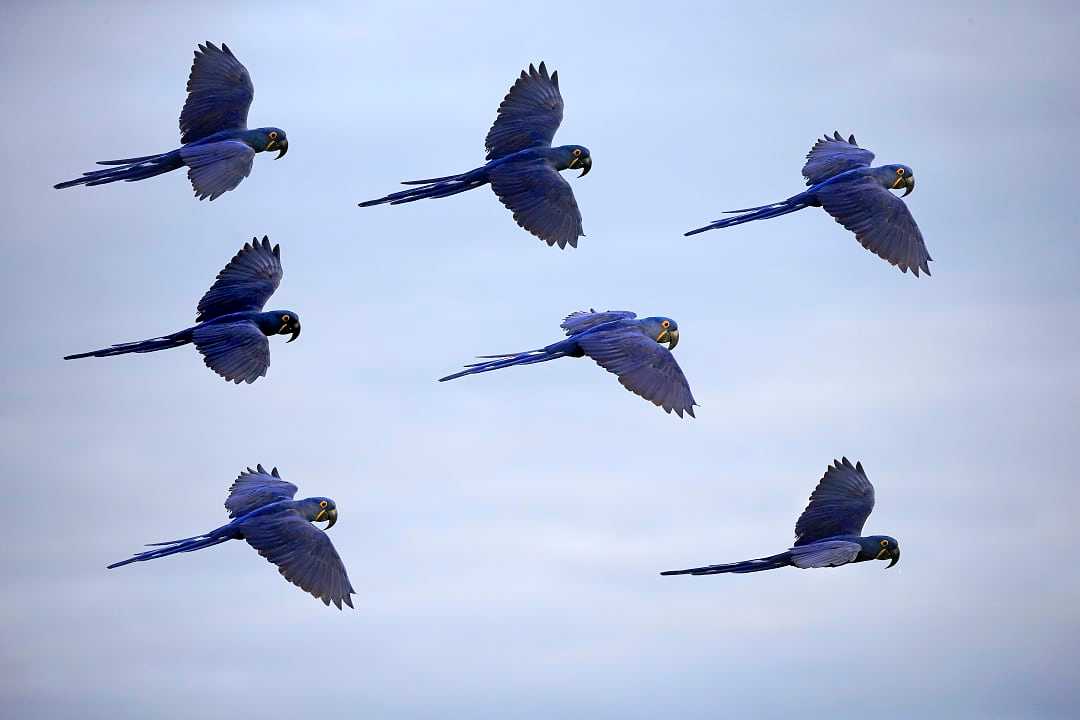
pixel 505 532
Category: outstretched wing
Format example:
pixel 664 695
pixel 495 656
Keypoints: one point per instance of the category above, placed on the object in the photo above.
pixel 238 352
pixel 644 366
pixel 255 488
pixel 246 283
pixel 528 116
pixel 581 320
pixel 217 167
pixel 219 94
pixel 839 505
pixel 829 553
pixel 303 553
pixel 832 156
pixel 881 222
pixel 541 200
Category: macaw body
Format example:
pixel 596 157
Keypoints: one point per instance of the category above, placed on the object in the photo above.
pixel 828 533
pixel 265 515
pixel 523 168
pixel 218 148
pixel 856 195
pixel 622 344
pixel 231 328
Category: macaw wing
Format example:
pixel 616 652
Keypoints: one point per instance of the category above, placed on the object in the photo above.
pixel 215 168
pixel 644 366
pixel 829 553
pixel 219 94
pixel 541 200
pixel 839 505
pixel 880 220
pixel 303 553
pixel 246 283
pixel 832 156
pixel 582 320
pixel 255 488
pixel 528 116
pixel 238 352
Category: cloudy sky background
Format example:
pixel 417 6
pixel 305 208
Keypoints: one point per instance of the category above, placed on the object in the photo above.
pixel 505 532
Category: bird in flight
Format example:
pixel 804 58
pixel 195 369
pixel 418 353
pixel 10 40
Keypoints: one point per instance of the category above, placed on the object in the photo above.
pixel 858 197
pixel 828 533
pixel 263 513
pixel 522 168
pixel 217 147
pixel 620 343
pixel 231 329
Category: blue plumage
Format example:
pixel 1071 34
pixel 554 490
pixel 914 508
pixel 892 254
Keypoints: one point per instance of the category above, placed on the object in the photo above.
pixel 232 329
pixel 858 197
pixel 828 533
pixel 265 515
pixel 218 148
pixel 523 168
pixel 621 344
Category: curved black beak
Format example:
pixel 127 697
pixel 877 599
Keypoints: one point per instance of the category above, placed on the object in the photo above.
pixel 673 339
pixel 586 166
pixel 895 558
pixel 909 185
pixel 331 516
pixel 282 147
pixel 295 329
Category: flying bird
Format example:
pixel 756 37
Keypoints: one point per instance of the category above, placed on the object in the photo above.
pixel 523 168
pixel 619 343
pixel 231 329
pixel 858 197
pixel 263 513
pixel 217 147
pixel 828 533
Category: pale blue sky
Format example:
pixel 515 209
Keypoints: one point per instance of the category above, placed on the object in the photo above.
pixel 504 532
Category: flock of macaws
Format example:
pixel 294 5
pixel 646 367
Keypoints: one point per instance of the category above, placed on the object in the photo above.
pixel 522 167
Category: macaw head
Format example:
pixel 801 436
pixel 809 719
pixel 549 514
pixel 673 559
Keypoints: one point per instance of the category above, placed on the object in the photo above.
pixel 661 329
pixel 279 322
pixel 318 509
pixel 575 156
pixel 898 176
pixel 271 138
pixel 880 547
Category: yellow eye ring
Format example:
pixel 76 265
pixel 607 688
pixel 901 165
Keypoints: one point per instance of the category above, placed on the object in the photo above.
pixel 884 543
pixel 665 324
pixel 322 503
pixel 899 171
pixel 577 152
pixel 284 318
pixel 273 134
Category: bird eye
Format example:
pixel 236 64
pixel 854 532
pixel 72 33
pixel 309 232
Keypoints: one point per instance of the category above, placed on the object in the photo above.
pixel 284 318
pixel 899 171
pixel 577 152
pixel 665 324
pixel 884 543
pixel 273 134
pixel 322 503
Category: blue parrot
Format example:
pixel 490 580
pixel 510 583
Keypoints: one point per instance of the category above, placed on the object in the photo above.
pixel 620 344
pixel 263 512
pixel 230 329
pixel 217 148
pixel 857 196
pixel 828 533
pixel 523 168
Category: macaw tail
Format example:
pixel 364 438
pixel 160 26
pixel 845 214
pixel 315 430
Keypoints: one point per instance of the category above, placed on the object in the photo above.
pixel 433 188
pixel 761 212
pixel 129 170
pixel 215 537
pixel 503 361
pixel 746 566
pixel 142 346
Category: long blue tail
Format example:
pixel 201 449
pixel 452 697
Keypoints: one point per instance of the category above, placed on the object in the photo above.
pixel 746 566
pixel 142 346
pixel 504 361
pixel 214 537
pixel 761 212
pixel 433 188
pixel 130 170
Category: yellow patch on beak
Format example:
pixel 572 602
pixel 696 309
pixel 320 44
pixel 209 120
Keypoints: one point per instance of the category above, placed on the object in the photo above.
pixel 573 162
pixel 663 334
pixel 319 517
pixel 899 181
pixel 881 555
